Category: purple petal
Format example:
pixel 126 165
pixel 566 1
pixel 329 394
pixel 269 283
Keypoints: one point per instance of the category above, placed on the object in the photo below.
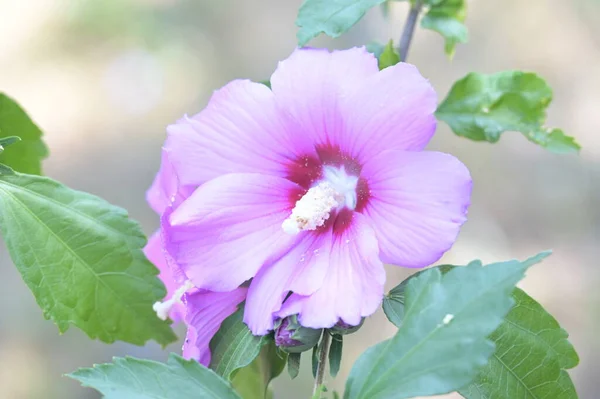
pixel 229 227
pixel 165 189
pixel 418 202
pixel 391 110
pixel 301 270
pixel 240 131
pixel 156 255
pixel 353 286
pixel 310 85
pixel 205 311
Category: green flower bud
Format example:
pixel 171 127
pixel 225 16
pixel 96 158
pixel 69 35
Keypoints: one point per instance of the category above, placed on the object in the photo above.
pixel 343 328
pixel 291 337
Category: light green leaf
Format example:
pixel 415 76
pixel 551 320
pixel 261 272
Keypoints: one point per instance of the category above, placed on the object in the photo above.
pixel 389 56
pixel 6 141
pixel 234 346
pixel 82 259
pixel 442 340
pixel 252 381
pixel 27 155
pixel 532 353
pixel 131 378
pixel 335 354
pixel 446 17
pixel 481 107
pixel 332 17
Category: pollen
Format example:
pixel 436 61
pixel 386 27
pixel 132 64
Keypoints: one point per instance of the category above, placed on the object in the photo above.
pixel 313 209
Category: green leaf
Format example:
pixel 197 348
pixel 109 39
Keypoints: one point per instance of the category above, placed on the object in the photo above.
pixel 389 56
pixel 82 259
pixel 6 141
pixel 481 107
pixel 5 170
pixel 252 381
pixel 131 378
pixel 294 364
pixel 442 341
pixel 446 17
pixel 234 346
pixel 315 360
pixel 27 155
pixel 335 354
pixel 332 17
pixel 532 353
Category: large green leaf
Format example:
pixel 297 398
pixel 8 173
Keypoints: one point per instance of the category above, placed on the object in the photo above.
pixel 532 353
pixel 252 381
pixel 332 17
pixel 25 156
pixel 130 378
pixel 446 17
pixel 234 346
pixel 82 259
pixel 442 341
pixel 481 107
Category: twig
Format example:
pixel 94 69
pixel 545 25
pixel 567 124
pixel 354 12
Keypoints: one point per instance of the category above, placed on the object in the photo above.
pixel 322 365
pixel 409 28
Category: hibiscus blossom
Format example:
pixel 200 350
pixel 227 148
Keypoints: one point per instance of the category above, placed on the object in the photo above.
pixel 308 188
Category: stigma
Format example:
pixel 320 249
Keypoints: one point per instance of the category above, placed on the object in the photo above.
pixel 313 209
pixel 163 308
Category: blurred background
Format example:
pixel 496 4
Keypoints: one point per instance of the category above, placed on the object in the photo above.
pixel 103 78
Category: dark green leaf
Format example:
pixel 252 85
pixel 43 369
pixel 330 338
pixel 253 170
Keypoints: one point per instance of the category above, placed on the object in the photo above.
pixel 252 381
pixel 315 361
pixel 234 346
pixel 532 353
pixel 332 17
pixel 5 170
pixel 442 341
pixel 82 259
pixel 446 17
pixel 130 378
pixel 25 156
pixel 481 107
pixel 6 141
pixel 294 364
pixel 335 354
pixel 266 83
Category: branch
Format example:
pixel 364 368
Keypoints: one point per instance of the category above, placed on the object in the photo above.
pixel 322 365
pixel 409 28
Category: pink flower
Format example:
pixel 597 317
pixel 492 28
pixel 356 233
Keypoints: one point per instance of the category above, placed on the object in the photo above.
pixel 202 311
pixel 309 188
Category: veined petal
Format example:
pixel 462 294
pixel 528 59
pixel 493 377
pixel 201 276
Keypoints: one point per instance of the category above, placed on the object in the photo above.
pixel 302 270
pixel 311 83
pixel 392 109
pixel 165 190
pixel 353 286
pixel 155 254
pixel 230 226
pixel 240 131
pixel 204 313
pixel 418 201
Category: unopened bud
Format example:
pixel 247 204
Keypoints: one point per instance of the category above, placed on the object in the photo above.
pixel 291 337
pixel 343 328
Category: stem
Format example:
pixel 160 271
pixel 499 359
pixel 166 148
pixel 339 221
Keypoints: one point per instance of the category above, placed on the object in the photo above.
pixel 321 366
pixel 409 28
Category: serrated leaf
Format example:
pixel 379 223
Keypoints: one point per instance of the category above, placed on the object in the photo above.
pixel 442 340
pixel 252 381
pixel 446 17
pixel 294 364
pixel 482 107
pixel 25 156
pixel 131 378
pixel 82 259
pixel 234 346
pixel 532 353
pixel 332 17
pixel 335 354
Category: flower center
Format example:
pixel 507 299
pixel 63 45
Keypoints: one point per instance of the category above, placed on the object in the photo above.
pixel 336 190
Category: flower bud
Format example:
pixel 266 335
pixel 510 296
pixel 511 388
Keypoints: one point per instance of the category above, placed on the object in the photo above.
pixel 291 337
pixel 343 328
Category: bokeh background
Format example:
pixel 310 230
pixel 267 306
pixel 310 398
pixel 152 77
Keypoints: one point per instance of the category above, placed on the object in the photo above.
pixel 103 78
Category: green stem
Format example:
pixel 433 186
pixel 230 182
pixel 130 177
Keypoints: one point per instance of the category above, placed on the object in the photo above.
pixel 321 366
pixel 409 28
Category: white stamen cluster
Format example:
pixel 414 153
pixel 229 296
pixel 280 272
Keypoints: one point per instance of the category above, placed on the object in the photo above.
pixel 313 209
pixel 162 309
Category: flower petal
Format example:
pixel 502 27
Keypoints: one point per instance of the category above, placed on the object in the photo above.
pixel 240 131
pixel 205 312
pixel 353 286
pixel 165 189
pixel 155 254
pixel 391 110
pixel 302 270
pixel 418 201
pixel 229 227
pixel 310 85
